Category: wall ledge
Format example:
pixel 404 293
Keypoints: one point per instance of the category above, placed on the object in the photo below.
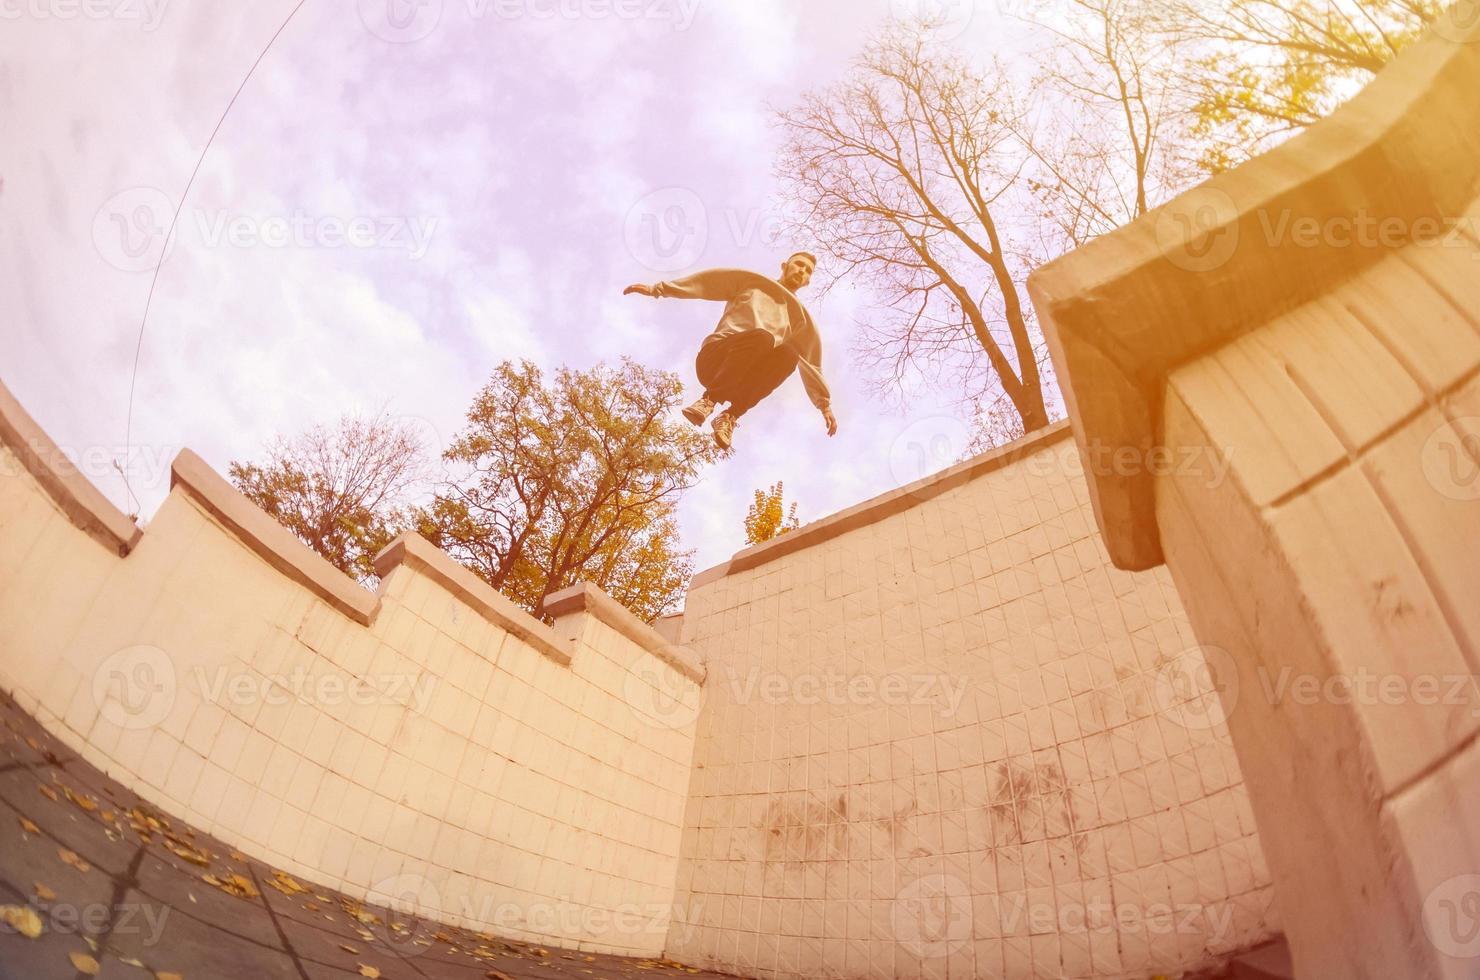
pixel 1121 312
pixel 587 598
pixel 87 509
pixel 82 502
pixel 415 551
pixel 887 504
pixel 271 541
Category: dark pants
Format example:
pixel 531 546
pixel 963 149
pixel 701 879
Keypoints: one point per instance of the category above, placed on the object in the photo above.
pixel 743 368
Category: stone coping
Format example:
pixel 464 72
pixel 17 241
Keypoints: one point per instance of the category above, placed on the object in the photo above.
pixel 886 504
pixel 83 504
pixel 417 552
pixel 585 597
pixel 271 541
pixel 92 513
pixel 1124 310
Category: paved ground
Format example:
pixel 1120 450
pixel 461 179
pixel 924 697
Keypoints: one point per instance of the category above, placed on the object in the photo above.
pixel 122 892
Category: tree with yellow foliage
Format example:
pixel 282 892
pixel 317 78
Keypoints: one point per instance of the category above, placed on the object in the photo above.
pixel 769 517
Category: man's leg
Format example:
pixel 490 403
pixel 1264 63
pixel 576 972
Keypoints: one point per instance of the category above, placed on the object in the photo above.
pixel 725 366
pixel 764 375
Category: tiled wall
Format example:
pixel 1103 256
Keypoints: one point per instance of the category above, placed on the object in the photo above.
pixel 1030 782
pixel 1337 564
pixel 431 759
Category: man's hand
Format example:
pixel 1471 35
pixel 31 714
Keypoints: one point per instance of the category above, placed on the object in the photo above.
pixel 640 289
pixel 831 420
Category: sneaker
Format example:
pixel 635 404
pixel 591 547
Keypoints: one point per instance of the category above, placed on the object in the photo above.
pixel 699 411
pixel 724 429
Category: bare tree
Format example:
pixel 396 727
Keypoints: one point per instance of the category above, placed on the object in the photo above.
pixel 340 490
pixel 1106 108
pixel 896 174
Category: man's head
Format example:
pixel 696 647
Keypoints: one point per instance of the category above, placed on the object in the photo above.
pixel 796 271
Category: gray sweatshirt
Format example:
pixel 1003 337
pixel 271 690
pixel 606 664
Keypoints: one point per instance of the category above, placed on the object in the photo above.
pixel 756 302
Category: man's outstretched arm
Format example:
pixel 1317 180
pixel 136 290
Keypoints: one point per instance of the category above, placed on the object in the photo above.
pixel 715 284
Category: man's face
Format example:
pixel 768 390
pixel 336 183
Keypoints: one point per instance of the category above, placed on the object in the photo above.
pixel 797 272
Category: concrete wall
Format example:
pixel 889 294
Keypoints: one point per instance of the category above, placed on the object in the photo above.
pixel 943 736
pixel 431 747
pixel 1309 322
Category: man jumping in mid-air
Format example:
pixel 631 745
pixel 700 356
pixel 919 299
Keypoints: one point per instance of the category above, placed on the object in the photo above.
pixel 764 334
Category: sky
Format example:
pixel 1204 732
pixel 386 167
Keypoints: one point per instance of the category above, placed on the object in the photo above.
pixel 402 194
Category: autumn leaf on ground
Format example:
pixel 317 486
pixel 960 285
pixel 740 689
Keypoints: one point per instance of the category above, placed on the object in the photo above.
pixel 144 822
pixel 49 793
pixel 285 884
pixel 44 893
pixel 22 919
pixel 169 976
pixel 349 949
pixel 70 857
pixel 84 963
pixel 497 975
pixel 237 885
pixel 29 827
pixel 369 971
pixel 83 801
pixel 188 853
